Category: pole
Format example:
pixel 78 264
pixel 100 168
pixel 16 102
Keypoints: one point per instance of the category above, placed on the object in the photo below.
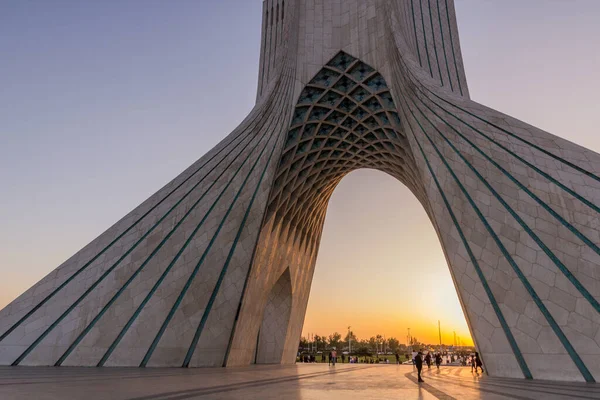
pixel 440 334
pixel 349 341
pixel 384 345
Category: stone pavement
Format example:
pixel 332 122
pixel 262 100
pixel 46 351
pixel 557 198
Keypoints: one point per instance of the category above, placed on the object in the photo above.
pixel 306 382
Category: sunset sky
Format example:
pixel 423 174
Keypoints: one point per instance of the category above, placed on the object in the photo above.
pixel 102 103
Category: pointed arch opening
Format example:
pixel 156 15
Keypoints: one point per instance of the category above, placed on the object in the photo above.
pixel 275 321
pixel 345 120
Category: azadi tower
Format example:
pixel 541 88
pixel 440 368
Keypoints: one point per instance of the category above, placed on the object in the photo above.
pixel 215 268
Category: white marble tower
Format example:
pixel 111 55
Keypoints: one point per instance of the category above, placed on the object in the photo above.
pixel 215 268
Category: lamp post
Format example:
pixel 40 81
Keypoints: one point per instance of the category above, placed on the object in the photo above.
pixel 440 334
pixel 349 341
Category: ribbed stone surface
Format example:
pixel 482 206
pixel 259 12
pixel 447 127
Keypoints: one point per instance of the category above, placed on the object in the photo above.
pixel 194 275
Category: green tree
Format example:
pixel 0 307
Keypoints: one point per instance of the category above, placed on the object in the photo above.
pixel 393 344
pixel 373 344
pixel 320 342
pixel 303 344
pixel 355 341
pixel 362 351
pixel 416 345
pixel 335 340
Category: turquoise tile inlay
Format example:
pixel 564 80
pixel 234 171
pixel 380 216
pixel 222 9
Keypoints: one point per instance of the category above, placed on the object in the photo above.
pixel 318 113
pixel 325 77
pixel 444 44
pixel 335 117
pixel 412 6
pixel 437 60
pixel 383 118
pixel 346 105
pixel 373 104
pixel 132 226
pixel 510 337
pixel 215 291
pixel 360 71
pixel 376 83
pixel 309 95
pixel 339 132
pixel 359 94
pixel 359 113
pixel 341 61
pixel 386 100
pixel 330 99
pixel 309 130
pixel 349 123
pixel 325 129
pixel 371 123
pixel 344 84
pixel 540 304
pixel 299 115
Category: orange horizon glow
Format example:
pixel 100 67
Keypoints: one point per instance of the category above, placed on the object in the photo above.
pixel 389 325
pixel 381 269
pixel 424 332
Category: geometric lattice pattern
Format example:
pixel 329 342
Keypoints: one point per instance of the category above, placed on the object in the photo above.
pixel 345 119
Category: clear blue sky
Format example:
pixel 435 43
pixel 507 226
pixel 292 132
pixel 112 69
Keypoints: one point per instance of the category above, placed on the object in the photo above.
pixel 103 102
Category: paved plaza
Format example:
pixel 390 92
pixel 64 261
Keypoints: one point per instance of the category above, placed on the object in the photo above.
pixel 306 382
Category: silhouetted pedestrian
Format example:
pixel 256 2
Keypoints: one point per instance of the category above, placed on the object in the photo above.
pixel 438 360
pixel 419 365
pixel 478 362
pixel 428 360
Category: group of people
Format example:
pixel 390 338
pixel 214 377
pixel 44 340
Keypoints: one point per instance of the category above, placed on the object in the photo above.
pixel 333 359
pixel 418 360
pixel 330 358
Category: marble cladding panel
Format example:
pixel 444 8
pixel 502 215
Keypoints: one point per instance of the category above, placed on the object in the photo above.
pixel 227 249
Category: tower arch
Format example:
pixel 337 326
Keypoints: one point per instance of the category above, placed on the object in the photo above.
pixel 345 119
pixel 181 279
pixel 274 327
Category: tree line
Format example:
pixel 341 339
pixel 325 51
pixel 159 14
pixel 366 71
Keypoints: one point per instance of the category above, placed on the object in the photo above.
pixel 373 345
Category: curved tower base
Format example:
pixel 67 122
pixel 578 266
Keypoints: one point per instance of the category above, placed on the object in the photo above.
pixel 215 268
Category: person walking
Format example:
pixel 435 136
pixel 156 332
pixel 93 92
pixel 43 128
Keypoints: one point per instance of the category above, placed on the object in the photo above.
pixel 478 362
pixel 472 362
pixel 428 360
pixel 438 360
pixel 329 357
pixel 419 365
pixel 323 357
pixel 333 356
pixel 397 358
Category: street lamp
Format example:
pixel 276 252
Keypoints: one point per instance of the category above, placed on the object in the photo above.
pixel 349 341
